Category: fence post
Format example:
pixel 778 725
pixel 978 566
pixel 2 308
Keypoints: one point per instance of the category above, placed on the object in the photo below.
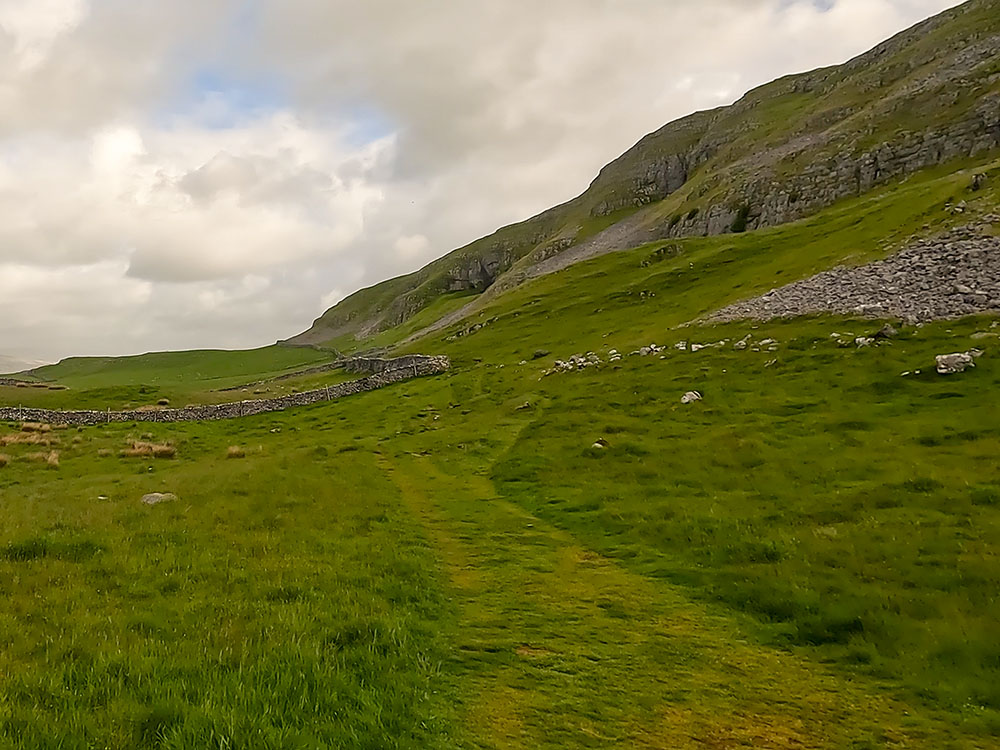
pixel 328 393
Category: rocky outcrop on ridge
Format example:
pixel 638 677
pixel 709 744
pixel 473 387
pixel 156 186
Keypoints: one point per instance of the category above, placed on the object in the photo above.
pixel 950 276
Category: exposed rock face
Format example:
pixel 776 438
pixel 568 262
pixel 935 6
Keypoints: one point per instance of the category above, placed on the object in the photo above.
pixel 392 371
pixel 951 276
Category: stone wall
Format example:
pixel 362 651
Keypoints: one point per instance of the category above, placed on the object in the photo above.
pixel 362 365
pixel 408 367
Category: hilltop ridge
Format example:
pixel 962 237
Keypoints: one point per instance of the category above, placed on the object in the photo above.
pixel 928 96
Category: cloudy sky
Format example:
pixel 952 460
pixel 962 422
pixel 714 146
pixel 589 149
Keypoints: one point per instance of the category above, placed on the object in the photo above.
pixel 217 173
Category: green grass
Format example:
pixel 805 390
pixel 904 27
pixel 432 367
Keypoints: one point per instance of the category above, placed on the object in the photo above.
pixel 806 558
pixel 436 566
pixel 285 600
pixel 215 368
pixel 181 378
pixel 434 311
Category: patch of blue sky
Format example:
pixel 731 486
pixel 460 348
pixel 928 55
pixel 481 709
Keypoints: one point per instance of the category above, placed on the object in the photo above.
pixel 218 99
pixel 823 5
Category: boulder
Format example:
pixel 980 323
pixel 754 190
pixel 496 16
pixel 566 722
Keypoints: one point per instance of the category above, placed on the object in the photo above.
pixel 155 498
pixel 950 364
pixel 690 397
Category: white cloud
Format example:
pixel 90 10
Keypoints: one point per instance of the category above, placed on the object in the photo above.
pixel 141 212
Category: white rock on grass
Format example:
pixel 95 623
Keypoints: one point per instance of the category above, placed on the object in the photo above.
pixel 690 397
pixel 155 498
pixel 951 364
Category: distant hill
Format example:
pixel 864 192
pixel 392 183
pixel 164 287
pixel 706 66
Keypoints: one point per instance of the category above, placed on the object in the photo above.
pixel 10 365
pixel 928 96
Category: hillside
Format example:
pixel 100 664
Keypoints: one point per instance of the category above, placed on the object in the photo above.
pixel 700 492
pixel 929 96
pixel 521 554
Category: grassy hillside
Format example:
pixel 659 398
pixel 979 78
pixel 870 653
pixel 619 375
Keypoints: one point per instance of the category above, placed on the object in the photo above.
pixel 181 378
pixel 785 150
pixel 806 558
pixel 506 557
pixel 221 368
pixel 441 566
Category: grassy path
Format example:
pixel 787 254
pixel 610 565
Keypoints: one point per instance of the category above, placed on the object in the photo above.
pixel 559 647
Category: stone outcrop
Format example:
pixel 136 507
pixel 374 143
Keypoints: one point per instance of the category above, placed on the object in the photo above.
pixel 951 364
pixel 949 276
pixel 403 369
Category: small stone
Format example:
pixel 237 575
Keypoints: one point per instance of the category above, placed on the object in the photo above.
pixel 690 397
pixel 886 332
pixel 600 444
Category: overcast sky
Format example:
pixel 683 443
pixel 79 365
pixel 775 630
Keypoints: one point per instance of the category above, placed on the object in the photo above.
pixel 216 173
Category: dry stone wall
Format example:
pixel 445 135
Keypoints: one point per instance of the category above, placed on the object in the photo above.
pixel 393 371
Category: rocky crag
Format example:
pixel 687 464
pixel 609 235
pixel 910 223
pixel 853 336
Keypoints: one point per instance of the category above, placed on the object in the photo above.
pixel 389 372
pixel 949 276
pixel 926 97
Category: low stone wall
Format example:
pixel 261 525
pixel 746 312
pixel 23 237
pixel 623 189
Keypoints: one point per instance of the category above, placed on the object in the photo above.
pixel 415 366
pixel 363 365
pixel 376 365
